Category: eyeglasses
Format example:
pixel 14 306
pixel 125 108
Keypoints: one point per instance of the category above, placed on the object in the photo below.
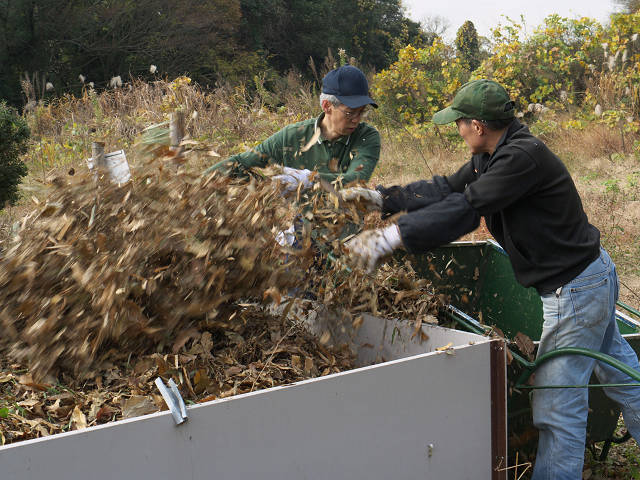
pixel 361 113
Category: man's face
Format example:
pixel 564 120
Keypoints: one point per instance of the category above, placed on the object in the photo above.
pixel 345 119
pixel 472 132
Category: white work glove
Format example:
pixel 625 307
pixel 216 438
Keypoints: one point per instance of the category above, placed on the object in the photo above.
pixel 366 249
pixel 286 238
pixel 292 177
pixel 371 199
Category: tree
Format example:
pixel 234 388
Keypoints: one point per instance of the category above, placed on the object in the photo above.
pixel 548 66
pixel 16 46
pixel 99 39
pixel 468 46
pixel 434 27
pixel 380 29
pixel 291 31
pixel 629 6
pixel 210 40
pixel 14 134
pixel 421 82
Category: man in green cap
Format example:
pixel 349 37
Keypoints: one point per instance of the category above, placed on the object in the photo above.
pixel 337 143
pixel 532 208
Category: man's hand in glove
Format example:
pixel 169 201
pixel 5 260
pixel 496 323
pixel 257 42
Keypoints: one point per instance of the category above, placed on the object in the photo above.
pixel 292 177
pixel 371 199
pixel 366 249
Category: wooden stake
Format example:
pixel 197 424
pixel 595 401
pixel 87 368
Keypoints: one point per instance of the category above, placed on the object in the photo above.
pixel 176 131
pixel 97 152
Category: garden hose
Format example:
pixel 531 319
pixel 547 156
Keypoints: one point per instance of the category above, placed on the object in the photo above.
pixel 628 308
pixel 530 367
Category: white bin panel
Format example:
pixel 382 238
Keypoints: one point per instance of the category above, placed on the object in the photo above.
pixel 375 422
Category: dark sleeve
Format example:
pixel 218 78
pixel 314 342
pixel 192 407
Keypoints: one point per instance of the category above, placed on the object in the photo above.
pixel 508 178
pixel 413 196
pixel 463 177
pixel 438 224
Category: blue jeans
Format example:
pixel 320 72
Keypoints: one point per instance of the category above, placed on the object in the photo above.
pixel 582 315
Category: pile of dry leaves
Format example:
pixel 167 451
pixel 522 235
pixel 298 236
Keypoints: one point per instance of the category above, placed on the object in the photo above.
pixel 258 351
pixel 107 287
pixel 103 267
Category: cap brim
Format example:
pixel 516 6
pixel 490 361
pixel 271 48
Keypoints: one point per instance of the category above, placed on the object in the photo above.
pixel 356 101
pixel 446 115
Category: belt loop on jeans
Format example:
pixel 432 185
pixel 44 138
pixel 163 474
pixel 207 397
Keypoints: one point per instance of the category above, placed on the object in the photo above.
pixel 558 291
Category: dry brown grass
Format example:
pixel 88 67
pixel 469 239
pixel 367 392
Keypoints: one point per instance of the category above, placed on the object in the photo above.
pixel 227 115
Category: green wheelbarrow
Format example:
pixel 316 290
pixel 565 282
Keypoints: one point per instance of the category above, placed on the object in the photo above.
pixel 484 297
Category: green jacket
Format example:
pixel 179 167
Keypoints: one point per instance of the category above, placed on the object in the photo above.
pixel 351 157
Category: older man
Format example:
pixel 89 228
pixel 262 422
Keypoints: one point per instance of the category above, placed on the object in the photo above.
pixel 532 208
pixel 336 144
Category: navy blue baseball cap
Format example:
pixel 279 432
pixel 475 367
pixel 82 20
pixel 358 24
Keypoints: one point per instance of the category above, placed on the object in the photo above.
pixel 349 85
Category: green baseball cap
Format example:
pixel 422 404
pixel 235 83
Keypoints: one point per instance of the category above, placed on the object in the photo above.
pixel 479 99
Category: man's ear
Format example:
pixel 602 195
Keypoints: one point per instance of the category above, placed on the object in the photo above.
pixel 478 127
pixel 326 106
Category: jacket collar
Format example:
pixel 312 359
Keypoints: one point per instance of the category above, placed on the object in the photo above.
pixel 344 139
pixel 509 132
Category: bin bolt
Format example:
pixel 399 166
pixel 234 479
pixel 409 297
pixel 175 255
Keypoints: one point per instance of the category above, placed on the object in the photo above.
pixel 430 450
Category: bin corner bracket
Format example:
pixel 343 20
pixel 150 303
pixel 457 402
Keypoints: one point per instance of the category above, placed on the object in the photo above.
pixel 173 399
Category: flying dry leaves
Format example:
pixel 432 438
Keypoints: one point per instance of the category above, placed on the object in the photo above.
pixel 130 266
pixel 107 287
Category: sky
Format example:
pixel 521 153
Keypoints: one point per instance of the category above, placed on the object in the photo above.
pixel 486 14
